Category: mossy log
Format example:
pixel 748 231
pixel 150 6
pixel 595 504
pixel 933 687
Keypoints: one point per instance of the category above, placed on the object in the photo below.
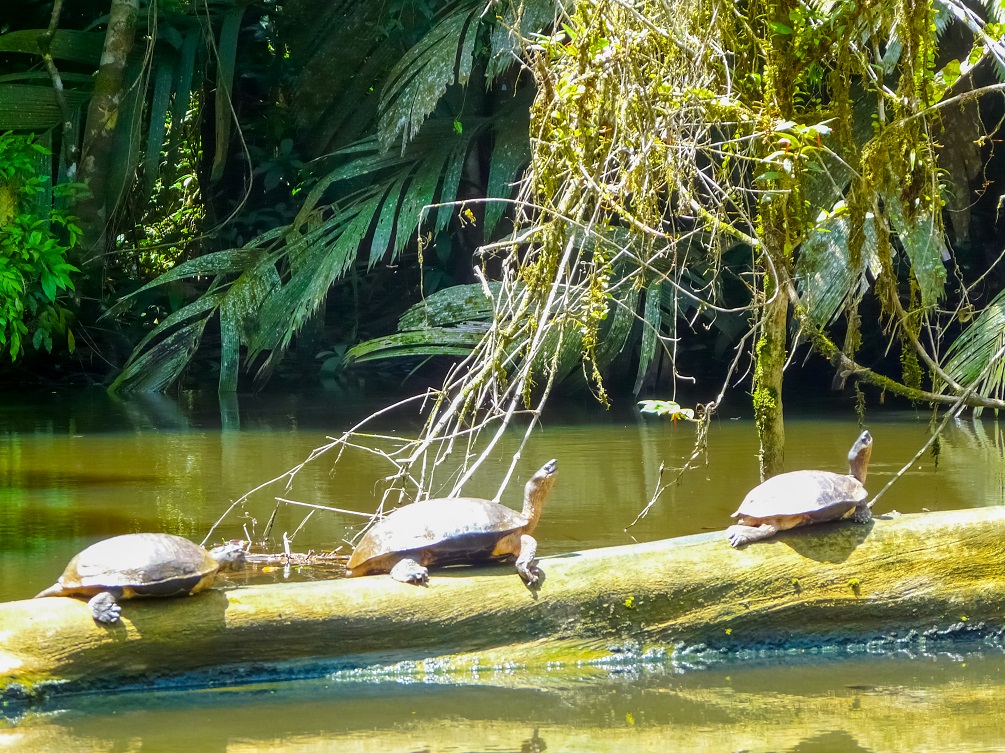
pixel 830 585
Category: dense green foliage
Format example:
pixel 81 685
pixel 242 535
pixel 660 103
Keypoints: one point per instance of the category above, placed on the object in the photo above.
pixel 279 184
pixel 36 239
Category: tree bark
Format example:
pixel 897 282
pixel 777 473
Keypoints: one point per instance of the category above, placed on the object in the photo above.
pixel 892 581
pixel 102 116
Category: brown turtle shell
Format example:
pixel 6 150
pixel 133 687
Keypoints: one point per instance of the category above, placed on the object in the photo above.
pixel 801 493
pixel 438 531
pixel 142 564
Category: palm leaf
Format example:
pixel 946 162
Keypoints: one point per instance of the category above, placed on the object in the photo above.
pixel 453 305
pixel 510 153
pixel 971 352
pixel 227 54
pixel 922 237
pixel 153 369
pixel 157 128
pixel 430 341
pixel 240 302
pixel 515 21
pixel 24 107
pixel 826 276
pixel 76 46
pixel 651 321
pixel 414 87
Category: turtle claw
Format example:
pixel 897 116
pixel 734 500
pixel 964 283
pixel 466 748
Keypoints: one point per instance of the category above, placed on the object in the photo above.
pixel 530 573
pixel 104 608
pixel 740 535
pixel 410 571
pixel 862 514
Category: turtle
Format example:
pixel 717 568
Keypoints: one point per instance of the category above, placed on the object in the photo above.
pixel 803 497
pixel 141 564
pixel 454 530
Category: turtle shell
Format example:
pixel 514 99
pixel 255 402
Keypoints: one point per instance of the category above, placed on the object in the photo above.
pixel 801 493
pixel 145 564
pixel 453 529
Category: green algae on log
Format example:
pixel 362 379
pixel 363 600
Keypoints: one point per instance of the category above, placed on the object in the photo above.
pixel 826 585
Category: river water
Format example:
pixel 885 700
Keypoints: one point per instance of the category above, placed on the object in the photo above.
pixel 79 468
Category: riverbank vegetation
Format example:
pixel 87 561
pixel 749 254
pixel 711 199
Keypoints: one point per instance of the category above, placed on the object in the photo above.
pixel 498 200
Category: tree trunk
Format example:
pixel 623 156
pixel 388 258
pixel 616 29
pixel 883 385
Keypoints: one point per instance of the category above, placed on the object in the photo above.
pixel 892 581
pixel 768 372
pixel 102 117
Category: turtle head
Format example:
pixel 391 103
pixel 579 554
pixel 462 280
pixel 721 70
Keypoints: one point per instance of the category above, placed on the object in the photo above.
pixel 858 456
pixel 230 556
pixel 536 492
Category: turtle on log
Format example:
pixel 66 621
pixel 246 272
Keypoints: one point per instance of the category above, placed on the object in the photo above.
pixel 804 497
pixel 138 565
pixel 454 530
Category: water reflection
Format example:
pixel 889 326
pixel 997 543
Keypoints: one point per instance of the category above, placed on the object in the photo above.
pixel 931 704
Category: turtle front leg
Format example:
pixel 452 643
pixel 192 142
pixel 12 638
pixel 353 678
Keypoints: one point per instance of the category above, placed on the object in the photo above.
pixel 526 565
pixel 862 514
pixel 409 571
pixel 740 535
pixel 105 607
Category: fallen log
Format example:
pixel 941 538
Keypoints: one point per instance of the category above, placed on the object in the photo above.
pixel 835 584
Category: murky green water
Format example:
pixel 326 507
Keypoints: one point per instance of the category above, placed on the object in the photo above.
pixel 78 469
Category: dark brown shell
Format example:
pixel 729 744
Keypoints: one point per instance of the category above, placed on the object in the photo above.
pixel 468 523
pixel 138 560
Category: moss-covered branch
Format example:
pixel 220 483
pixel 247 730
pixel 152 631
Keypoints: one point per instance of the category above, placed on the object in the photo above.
pixel 834 584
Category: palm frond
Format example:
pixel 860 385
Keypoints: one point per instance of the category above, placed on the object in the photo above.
pixel 651 321
pixel 453 305
pixel 515 21
pixel 457 340
pixel 826 275
pixel 414 87
pixel 227 54
pixel 76 46
pixel 24 107
pixel 923 239
pixel 510 153
pixel 972 350
pixel 153 369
